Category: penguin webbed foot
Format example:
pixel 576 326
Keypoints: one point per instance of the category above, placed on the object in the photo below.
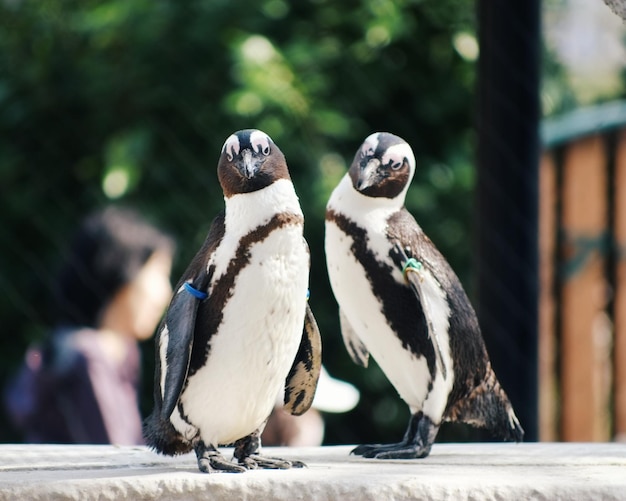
pixel 401 450
pixel 417 442
pixel 247 453
pixel 210 460
pixel 256 461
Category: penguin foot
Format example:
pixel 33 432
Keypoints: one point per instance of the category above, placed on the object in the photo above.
pixel 255 461
pixel 401 450
pixel 247 453
pixel 417 442
pixel 211 461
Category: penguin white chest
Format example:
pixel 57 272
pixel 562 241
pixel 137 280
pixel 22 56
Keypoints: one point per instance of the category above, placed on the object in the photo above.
pixel 363 310
pixel 250 355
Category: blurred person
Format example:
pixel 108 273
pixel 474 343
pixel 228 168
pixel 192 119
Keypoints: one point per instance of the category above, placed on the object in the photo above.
pixel 332 395
pixel 81 384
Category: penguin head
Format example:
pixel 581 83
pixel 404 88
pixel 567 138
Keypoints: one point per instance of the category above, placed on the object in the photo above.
pixel 383 166
pixel 250 161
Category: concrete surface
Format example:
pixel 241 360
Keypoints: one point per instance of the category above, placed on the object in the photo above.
pixel 452 471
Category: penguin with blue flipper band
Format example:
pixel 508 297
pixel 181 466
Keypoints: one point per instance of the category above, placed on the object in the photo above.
pixel 238 329
pixel 400 301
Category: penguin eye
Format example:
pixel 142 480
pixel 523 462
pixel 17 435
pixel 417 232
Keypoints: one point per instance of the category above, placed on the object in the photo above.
pixel 264 149
pixel 260 142
pixel 395 161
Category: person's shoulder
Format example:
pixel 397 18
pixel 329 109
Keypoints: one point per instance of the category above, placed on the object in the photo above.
pixel 72 346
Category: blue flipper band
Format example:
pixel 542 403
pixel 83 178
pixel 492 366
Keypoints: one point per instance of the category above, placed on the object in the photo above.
pixel 412 264
pixel 308 294
pixel 195 292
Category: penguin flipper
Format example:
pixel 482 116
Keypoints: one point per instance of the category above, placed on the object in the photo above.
pixel 176 340
pixel 357 350
pixel 411 269
pixel 176 335
pixel 302 378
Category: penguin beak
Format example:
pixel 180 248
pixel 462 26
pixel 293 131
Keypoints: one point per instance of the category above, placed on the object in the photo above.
pixel 247 166
pixel 367 174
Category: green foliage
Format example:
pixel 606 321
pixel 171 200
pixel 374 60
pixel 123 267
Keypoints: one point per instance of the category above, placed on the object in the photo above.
pixel 132 101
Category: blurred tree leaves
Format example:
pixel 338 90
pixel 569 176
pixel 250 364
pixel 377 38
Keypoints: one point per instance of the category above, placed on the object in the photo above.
pixel 131 101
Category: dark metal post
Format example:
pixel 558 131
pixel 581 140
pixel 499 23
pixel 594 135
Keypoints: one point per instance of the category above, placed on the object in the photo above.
pixel 507 203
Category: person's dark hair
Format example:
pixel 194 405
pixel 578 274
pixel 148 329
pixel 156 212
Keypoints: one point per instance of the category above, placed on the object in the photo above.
pixel 107 251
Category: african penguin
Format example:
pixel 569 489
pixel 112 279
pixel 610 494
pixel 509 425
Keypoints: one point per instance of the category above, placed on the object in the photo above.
pixel 400 301
pixel 238 329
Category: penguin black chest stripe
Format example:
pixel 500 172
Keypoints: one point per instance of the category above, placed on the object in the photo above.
pixel 404 314
pixel 211 310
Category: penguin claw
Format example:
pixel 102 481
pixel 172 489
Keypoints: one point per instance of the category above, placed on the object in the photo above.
pixel 217 463
pixel 410 452
pixel 254 461
pixel 366 449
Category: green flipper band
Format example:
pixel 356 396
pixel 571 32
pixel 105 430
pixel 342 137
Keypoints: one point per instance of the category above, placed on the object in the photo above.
pixel 412 264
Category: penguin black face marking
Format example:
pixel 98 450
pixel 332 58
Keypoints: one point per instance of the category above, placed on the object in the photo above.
pixel 250 161
pixel 383 166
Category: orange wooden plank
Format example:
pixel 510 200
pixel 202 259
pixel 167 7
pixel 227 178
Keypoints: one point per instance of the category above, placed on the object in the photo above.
pixel 620 290
pixel 585 363
pixel 548 394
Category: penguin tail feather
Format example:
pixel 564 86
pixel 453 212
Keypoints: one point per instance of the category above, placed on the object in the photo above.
pixel 488 406
pixel 162 437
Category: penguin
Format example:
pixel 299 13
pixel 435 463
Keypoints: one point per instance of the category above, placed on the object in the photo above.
pixel 401 302
pixel 238 330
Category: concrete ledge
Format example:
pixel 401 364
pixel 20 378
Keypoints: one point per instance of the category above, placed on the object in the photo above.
pixel 452 471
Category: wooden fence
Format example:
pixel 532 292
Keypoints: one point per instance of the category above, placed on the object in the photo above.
pixel 582 255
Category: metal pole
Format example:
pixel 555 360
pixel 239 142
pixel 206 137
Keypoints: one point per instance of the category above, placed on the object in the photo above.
pixel 506 197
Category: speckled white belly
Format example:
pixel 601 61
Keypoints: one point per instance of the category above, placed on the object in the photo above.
pixel 254 348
